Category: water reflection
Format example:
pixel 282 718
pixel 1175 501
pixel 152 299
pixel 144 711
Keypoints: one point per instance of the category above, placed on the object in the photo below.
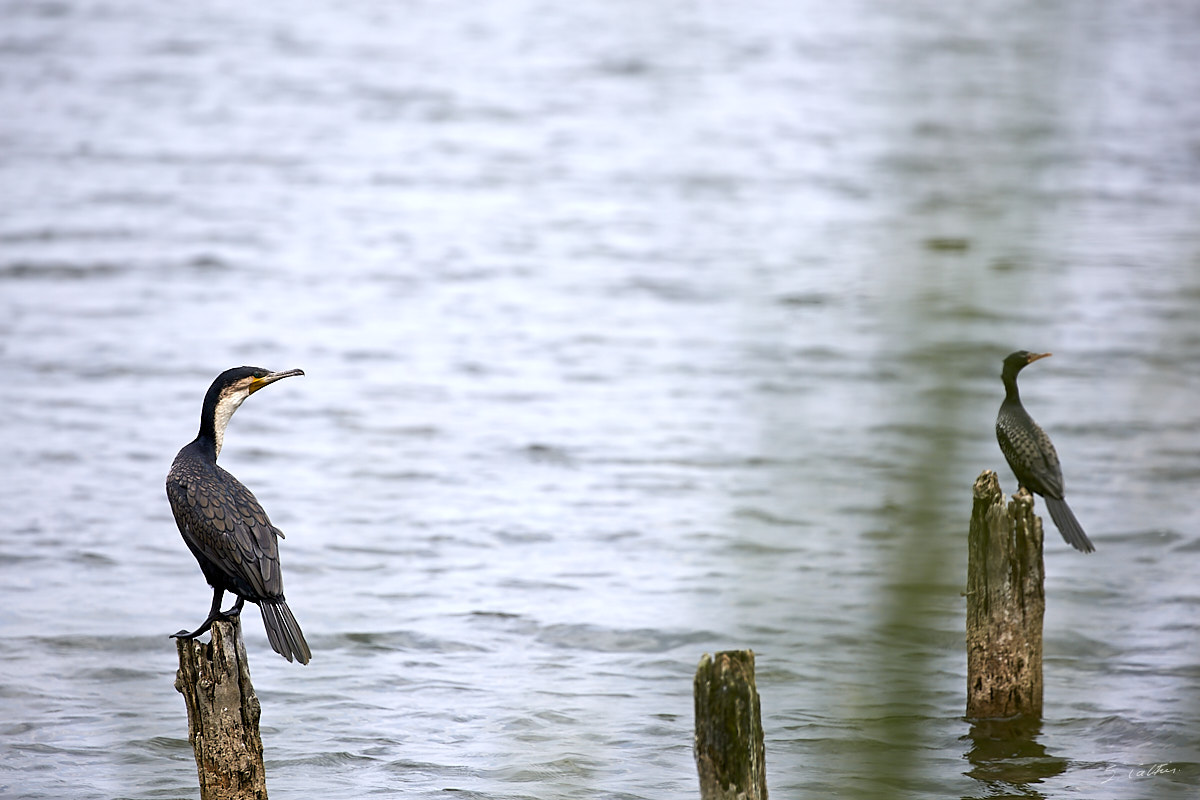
pixel 1008 760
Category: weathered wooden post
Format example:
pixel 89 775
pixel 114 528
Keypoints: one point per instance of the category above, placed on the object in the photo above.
pixel 222 714
pixel 729 749
pixel 1006 601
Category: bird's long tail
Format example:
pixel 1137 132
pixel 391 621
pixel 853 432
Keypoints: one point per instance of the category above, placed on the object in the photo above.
pixel 283 631
pixel 1068 526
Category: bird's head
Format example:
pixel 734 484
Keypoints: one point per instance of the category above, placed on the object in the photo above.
pixel 229 390
pixel 1017 361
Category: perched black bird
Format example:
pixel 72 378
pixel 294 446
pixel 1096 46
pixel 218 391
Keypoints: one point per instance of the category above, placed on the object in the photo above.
pixel 1030 454
pixel 223 524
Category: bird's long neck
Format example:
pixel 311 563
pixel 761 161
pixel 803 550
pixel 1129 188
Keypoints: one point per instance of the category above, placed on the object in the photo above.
pixel 214 418
pixel 1012 395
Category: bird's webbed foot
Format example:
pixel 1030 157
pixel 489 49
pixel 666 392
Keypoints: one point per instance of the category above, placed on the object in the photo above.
pixel 214 613
pixel 203 629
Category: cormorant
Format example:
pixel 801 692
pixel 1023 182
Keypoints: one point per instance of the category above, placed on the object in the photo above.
pixel 223 524
pixel 1030 454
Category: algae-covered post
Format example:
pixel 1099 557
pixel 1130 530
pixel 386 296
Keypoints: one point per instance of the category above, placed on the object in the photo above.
pixel 223 712
pixel 730 755
pixel 1006 602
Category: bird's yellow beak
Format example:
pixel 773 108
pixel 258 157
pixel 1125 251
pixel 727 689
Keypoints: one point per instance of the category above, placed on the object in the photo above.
pixel 270 378
pixel 1035 356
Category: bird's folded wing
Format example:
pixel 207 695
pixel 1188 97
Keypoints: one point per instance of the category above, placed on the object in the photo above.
pixel 224 521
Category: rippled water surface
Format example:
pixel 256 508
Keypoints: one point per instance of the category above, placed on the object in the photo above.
pixel 632 332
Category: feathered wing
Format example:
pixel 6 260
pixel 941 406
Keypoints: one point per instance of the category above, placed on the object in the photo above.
pixel 1029 452
pixel 224 524
pixel 1049 473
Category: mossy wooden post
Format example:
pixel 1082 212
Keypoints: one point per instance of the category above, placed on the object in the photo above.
pixel 222 714
pixel 730 755
pixel 1006 601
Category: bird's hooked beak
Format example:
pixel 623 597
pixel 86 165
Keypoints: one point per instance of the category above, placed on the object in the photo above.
pixel 1032 357
pixel 270 378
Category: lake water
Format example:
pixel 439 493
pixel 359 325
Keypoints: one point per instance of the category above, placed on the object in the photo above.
pixel 632 332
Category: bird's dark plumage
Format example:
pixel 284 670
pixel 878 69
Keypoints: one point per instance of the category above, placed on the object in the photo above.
pixel 1031 455
pixel 223 524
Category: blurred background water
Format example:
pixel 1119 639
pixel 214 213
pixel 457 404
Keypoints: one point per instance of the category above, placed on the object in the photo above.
pixel 632 331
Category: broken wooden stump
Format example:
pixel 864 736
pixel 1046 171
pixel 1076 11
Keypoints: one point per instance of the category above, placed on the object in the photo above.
pixel 223 713
pixel 1006 602
pixel 729 749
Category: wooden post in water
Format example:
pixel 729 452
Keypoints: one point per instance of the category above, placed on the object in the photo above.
pixel 1006 601
pixel 730 755
pixel 222 714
